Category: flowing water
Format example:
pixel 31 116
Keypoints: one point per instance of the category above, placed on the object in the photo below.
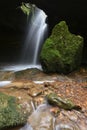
pixel 40 119
pixel 36 35
pixel 4 83
pixel 37 30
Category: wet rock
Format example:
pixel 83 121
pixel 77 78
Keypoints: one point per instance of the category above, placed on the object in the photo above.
pixel 41 119
pixel 71 120
pixel 63 86
pixel 66 104
pixel 6 75
pixel 35 92
pixel 27 74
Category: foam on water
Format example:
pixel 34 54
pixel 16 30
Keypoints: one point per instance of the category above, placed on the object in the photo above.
pixel 4 83
pixel 20 67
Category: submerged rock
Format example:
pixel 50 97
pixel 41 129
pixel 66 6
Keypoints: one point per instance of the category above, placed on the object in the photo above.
pixel 62 51
pixel 41 119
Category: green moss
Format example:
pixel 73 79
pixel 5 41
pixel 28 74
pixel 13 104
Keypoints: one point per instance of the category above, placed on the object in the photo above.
pixel 10 112
pixel 66 104
pixel 26 8
pixel 62 51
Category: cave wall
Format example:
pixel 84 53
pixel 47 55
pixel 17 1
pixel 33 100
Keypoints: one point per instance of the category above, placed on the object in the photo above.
pixel 73 11
pixel 13 21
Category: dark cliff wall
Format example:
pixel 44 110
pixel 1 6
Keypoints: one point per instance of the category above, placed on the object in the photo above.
pixel 73 11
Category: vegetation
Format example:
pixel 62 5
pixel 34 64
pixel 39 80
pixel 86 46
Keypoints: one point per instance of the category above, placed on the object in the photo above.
pixel 66 104
pixel 62 51
pixel 28 9
pixel 11 113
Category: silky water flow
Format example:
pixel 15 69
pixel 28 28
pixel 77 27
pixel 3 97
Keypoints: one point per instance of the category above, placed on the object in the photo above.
pixel 37 30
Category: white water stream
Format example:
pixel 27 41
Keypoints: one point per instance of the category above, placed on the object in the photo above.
pixel 37 30
pixel 4 83
pixel 36 35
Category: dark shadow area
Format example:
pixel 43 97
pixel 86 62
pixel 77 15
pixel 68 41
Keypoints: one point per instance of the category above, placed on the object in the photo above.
pixel 13 23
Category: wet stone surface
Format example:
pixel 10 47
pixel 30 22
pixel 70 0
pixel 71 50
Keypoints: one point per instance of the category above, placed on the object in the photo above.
pixel 32 90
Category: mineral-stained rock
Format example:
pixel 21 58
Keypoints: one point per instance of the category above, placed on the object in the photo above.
pixel 62 51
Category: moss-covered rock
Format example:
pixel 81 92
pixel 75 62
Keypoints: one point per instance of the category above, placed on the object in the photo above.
pixel 62 51
pixel 28 9
pixel 66 104
pixel 11 113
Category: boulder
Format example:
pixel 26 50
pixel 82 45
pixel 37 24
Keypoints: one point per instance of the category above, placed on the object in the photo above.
pixel 11 112
pixel 62 51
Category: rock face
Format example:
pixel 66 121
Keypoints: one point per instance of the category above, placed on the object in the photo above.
pixel 62 51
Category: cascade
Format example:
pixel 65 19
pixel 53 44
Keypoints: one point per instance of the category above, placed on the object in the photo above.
pixel 36 35
pixel 37 30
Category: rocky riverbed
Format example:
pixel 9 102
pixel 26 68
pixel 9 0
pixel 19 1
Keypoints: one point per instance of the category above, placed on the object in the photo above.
pixel 31 86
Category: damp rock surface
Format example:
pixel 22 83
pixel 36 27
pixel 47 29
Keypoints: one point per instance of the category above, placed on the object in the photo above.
pixel 42 119
pixel 71 120
pixel 31 93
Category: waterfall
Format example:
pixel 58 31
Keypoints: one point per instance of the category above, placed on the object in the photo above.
pixel 37 30
pixel 36 33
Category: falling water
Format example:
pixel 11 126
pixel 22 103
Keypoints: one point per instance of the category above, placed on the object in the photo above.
pixel 37 31
pixel 37 120
pixel 36 35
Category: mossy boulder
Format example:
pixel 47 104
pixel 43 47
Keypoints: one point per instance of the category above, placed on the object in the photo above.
pixel 66 104
pixel 62 51
pixel 11 113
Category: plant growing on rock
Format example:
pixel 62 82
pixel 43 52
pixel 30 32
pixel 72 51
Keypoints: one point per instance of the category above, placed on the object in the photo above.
pixel 10 112
pixel 62 51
